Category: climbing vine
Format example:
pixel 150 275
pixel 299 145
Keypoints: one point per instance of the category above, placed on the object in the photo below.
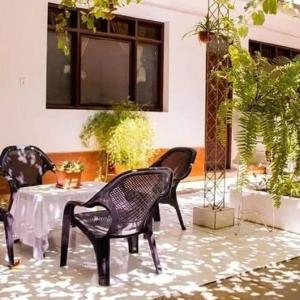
pixel 94 9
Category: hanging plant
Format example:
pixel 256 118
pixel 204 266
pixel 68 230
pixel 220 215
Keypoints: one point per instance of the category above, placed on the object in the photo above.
pixel 267 100
pixel 205 30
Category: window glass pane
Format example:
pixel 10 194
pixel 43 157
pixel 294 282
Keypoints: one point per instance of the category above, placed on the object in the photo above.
pixel 122 27
pixel 147 75
pixel 253 48
pixel 59 73
pixel 104 71
pixel 283 52
pixel 268 51
pixel 151 31
pixel 295 53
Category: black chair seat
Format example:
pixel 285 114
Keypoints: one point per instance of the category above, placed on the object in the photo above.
pixel 94 223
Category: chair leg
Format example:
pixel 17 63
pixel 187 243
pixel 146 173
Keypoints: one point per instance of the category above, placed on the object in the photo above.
pixel 102 251
pixel 156 213
pixel 133 244
pixel 65 241
pixel 155 257
pixel 176 206
pixel 8 222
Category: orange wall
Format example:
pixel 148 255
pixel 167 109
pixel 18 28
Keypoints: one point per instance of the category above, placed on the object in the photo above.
pixel 90 160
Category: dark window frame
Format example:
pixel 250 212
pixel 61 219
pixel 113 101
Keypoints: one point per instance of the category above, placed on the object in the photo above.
pixel 273 47
pixel 79 31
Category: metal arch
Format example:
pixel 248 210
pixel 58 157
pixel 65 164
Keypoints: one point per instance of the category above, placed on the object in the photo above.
pixel 216 89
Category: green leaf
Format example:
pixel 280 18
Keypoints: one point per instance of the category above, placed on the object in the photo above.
pixel 270 6
pixel 243 31
pixel 258 17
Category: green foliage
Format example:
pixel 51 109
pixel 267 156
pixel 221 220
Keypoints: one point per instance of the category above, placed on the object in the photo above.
pixel 70 166
pixel 266 98
pixel 207 25
pixel 124 133
pixel 95 9
pixel 289 183
pixel 98 128
pixel 131 143
pixel 258 17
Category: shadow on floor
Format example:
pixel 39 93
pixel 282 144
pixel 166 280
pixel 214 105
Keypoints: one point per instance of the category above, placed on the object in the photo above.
pixel 276 281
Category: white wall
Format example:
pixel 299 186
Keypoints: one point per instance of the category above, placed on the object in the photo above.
pixel 23 46
pixel 24 118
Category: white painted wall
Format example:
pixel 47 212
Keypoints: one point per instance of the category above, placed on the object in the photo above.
pixel 24 118
pixel 23 45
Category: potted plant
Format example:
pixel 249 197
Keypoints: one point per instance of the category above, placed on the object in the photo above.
pixel 130 144
pixel 68 174
pixel 124 135
pixel 205 30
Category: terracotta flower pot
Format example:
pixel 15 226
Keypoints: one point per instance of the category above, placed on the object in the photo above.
pixel 67 180
pixel 257 169
pixel 205 36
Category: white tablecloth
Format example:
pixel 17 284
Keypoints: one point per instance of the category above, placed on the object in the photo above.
pixel 38 209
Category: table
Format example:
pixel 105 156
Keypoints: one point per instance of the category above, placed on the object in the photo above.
pixel 39 209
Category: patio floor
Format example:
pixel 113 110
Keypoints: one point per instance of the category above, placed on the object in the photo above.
pixel 190 259
pixel 275 281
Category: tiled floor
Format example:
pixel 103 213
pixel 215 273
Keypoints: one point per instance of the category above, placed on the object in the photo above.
pixel 190 259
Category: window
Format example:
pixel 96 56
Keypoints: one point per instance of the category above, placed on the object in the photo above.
pixel 124 58
pixel 271 51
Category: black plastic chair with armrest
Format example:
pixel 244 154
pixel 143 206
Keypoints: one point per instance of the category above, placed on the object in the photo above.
pixel 180 160
pixel 128 200
pixel 21 166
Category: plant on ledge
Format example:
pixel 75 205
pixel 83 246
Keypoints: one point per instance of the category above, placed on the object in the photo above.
pixel 68 174
pixel 267 101
pixel 70 166
pixel 123 134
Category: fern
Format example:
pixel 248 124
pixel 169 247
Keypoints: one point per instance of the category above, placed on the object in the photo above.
pixel 267 99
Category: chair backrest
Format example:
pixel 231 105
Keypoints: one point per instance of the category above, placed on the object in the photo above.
pixel 179 160
pixel 131 196
pixel 24 165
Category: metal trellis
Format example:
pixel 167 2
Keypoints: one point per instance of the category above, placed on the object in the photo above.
pixel 216 89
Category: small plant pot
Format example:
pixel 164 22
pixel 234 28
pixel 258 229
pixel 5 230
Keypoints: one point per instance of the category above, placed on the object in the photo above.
pixel 257 169
pixel 205 36
pixel 66 180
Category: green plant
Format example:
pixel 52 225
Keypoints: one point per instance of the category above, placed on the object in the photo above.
pixel 207 26
pixel 95 9
pixel 290 185
pixel 267 100
pixel 124 134
pixel 70 166
pixel 130 143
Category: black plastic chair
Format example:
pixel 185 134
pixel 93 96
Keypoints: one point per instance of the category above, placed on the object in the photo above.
pixel 129 200
pixel 21 166
pixel 180 160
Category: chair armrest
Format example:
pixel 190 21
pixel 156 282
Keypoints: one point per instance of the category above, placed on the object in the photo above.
pixel 69 208
pixel 11 182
